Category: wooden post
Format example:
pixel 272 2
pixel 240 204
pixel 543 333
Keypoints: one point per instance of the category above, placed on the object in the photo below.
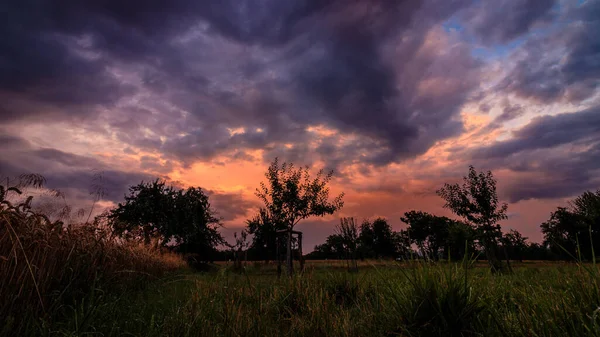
pixel 301 257
pixel 290 265
pixel 278 254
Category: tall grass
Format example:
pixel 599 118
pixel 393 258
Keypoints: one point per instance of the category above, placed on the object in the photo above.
pixel 393 300
pixel 47 265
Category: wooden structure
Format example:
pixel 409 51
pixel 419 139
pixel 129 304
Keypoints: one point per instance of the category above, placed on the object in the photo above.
pixel 284 240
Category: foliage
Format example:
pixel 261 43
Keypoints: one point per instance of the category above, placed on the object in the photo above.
pixel 238 248
pixel 179 218
pixel 377 239
pixel 429 232
pixel 370 240
pixel 515 244
pixel 348 233
pixel 264 235
pixel 439 237
pixel 477 202
pixel 290 194
pixel 577 224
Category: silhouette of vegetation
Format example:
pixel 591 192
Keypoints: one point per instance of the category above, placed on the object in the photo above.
pixel 572 231
pixel 181 219
pixel 514 244
pixel 239 249
pixel 377 239
pixel 290 195
pixel 476 200
pixel 264 236
pixel 348 233
pixel 49 266
pixel 439 237
pixel 68 278
pixel 374 240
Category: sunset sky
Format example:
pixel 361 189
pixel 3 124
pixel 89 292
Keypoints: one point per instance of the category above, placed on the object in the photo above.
pixel 397 97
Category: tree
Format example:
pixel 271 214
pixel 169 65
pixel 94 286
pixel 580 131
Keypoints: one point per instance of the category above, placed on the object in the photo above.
pixel 264 232
pixel 376 239
pixel 366 241
pixel 428 232
pixel 333 248
pixel 290 195
pixel 402 244
pixel 515 244
pixel 182 219
pixel 461 240
pixel 477 202
pixel 348 232
pixel 240 246
pixel 439 236
pixel 575 230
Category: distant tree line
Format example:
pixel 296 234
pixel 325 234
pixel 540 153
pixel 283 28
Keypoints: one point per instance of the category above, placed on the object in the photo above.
pixel 184 221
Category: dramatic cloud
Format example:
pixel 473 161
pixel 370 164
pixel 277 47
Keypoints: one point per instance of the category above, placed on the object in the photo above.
pixel 506 20
pixel 396 96
pixel 554 156
pixel 370 69
pixel 560 64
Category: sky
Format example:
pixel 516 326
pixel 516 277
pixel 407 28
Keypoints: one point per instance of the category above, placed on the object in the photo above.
pixel 397 97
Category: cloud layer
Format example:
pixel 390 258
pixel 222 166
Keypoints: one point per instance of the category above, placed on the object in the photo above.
pixel 396 96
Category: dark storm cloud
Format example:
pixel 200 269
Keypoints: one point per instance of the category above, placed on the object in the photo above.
pixel 547 132
pixel 509 113
pixel 505 20
pixel 564 65
pixel 329 58
pixel 552 156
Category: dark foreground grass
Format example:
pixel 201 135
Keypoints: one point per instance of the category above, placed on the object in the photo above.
pixel 385 300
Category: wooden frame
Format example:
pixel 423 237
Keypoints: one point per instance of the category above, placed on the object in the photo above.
pixel 287 236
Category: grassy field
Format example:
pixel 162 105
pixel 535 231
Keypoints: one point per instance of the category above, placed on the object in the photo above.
pixel 382 299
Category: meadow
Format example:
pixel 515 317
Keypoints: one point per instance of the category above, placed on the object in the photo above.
pixel 62 278
pixel 384 298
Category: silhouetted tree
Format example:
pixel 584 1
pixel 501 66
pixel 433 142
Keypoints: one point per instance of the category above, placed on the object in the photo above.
pixel 573 227
pixel 264 232
pixel 477 202
pixel 402 244
pixel 182 219
pixel 376 239
pixel 515 244
pixel 428 232
pixel 461 240
pixel 348 231
pixel 238 249
pixel 290 195
pixel 439 236
pixel 333 248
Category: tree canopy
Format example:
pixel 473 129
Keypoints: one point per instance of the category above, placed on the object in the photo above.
pixel 439 236
pixel 476 200
pixel 575 226
pixel 182 219
pixel 290 195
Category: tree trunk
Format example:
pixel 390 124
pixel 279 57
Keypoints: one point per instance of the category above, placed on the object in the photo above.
pixel 496 265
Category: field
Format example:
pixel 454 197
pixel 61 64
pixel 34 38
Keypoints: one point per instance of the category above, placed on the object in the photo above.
pixel 382 299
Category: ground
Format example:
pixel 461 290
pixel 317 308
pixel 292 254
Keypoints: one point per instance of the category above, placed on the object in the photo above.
pixel 382 299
